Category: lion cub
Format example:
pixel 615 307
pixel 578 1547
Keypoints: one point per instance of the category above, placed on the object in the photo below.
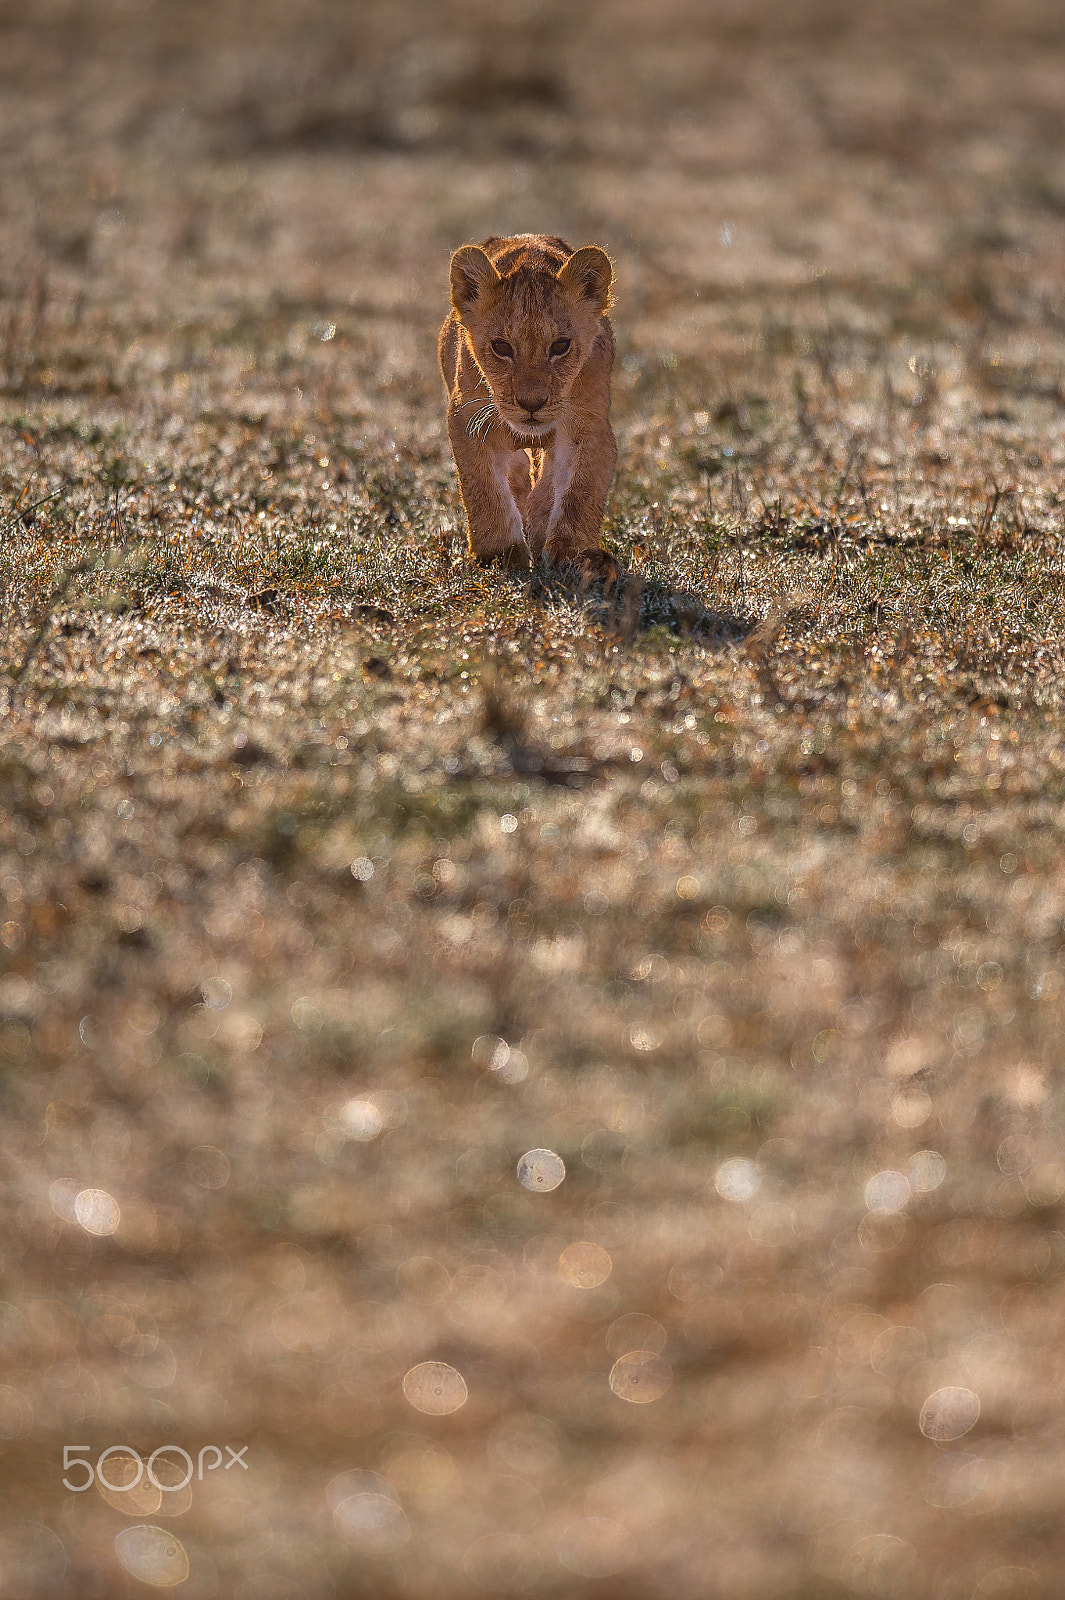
pixel 526 354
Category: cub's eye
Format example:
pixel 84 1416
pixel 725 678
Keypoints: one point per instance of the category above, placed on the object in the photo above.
pixel 502 349
pixel 560 347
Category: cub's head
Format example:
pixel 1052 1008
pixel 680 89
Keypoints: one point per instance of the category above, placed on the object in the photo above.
pixel 532 328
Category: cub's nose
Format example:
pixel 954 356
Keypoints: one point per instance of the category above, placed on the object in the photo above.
pixel 532 402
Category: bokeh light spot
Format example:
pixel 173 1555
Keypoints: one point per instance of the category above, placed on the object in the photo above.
pixel 881 1565
pixel 1010 1583
pixel 97 1212
pixel 478 1292
pixel 585 1265
pixel 63 1198
pixel 927 1171
pixel 153 1555
pixel 911 1107
pixel 948 1413
pixel 640 1377
pixel 496 1056
pixel 374 1523
pixel 634 1331
pixel 897 1349
pixel 361 1120
pixel 208 1166
pixel 887 1192
pixel 541 1171
pixel 435 1388
pixel 772 1223
pixel 306 1016
pixel 423 1278
pixel 424 1472
pixel 881 1231
pixel 503 1563
pixel 303 1324
pixel 596 1547
pixel 1014 1154
pixel 216 992
pixel 490 1051
pixel 515 1069
pixel 737 1180
pixel 956 1480
pixel 1045 1183
pixel 360 1480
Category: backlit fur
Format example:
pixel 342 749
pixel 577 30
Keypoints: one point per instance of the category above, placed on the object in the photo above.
pixel 526 354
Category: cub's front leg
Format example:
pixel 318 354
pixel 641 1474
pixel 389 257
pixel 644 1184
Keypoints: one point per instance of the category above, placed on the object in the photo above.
pixel 564 515
pixel 486 474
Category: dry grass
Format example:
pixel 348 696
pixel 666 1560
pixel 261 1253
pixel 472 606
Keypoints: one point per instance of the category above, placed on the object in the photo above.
pixel 336 873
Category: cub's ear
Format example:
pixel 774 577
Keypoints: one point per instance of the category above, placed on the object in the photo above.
pixel 472 275
pixel 588 274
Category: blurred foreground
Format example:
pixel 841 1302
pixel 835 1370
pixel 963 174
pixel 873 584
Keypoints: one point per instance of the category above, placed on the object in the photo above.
pixel 338 876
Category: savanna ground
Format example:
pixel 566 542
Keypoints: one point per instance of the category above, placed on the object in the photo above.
pixel 336 873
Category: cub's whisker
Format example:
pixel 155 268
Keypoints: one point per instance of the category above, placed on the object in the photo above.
pixel 481 421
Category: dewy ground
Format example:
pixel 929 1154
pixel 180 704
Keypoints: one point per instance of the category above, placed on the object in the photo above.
pixel 336 874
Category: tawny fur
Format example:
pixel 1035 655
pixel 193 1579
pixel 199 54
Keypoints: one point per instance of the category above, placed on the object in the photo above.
pixel 526 354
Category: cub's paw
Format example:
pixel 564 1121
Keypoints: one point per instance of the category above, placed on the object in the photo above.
pixel 593 566
pixel 512 558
